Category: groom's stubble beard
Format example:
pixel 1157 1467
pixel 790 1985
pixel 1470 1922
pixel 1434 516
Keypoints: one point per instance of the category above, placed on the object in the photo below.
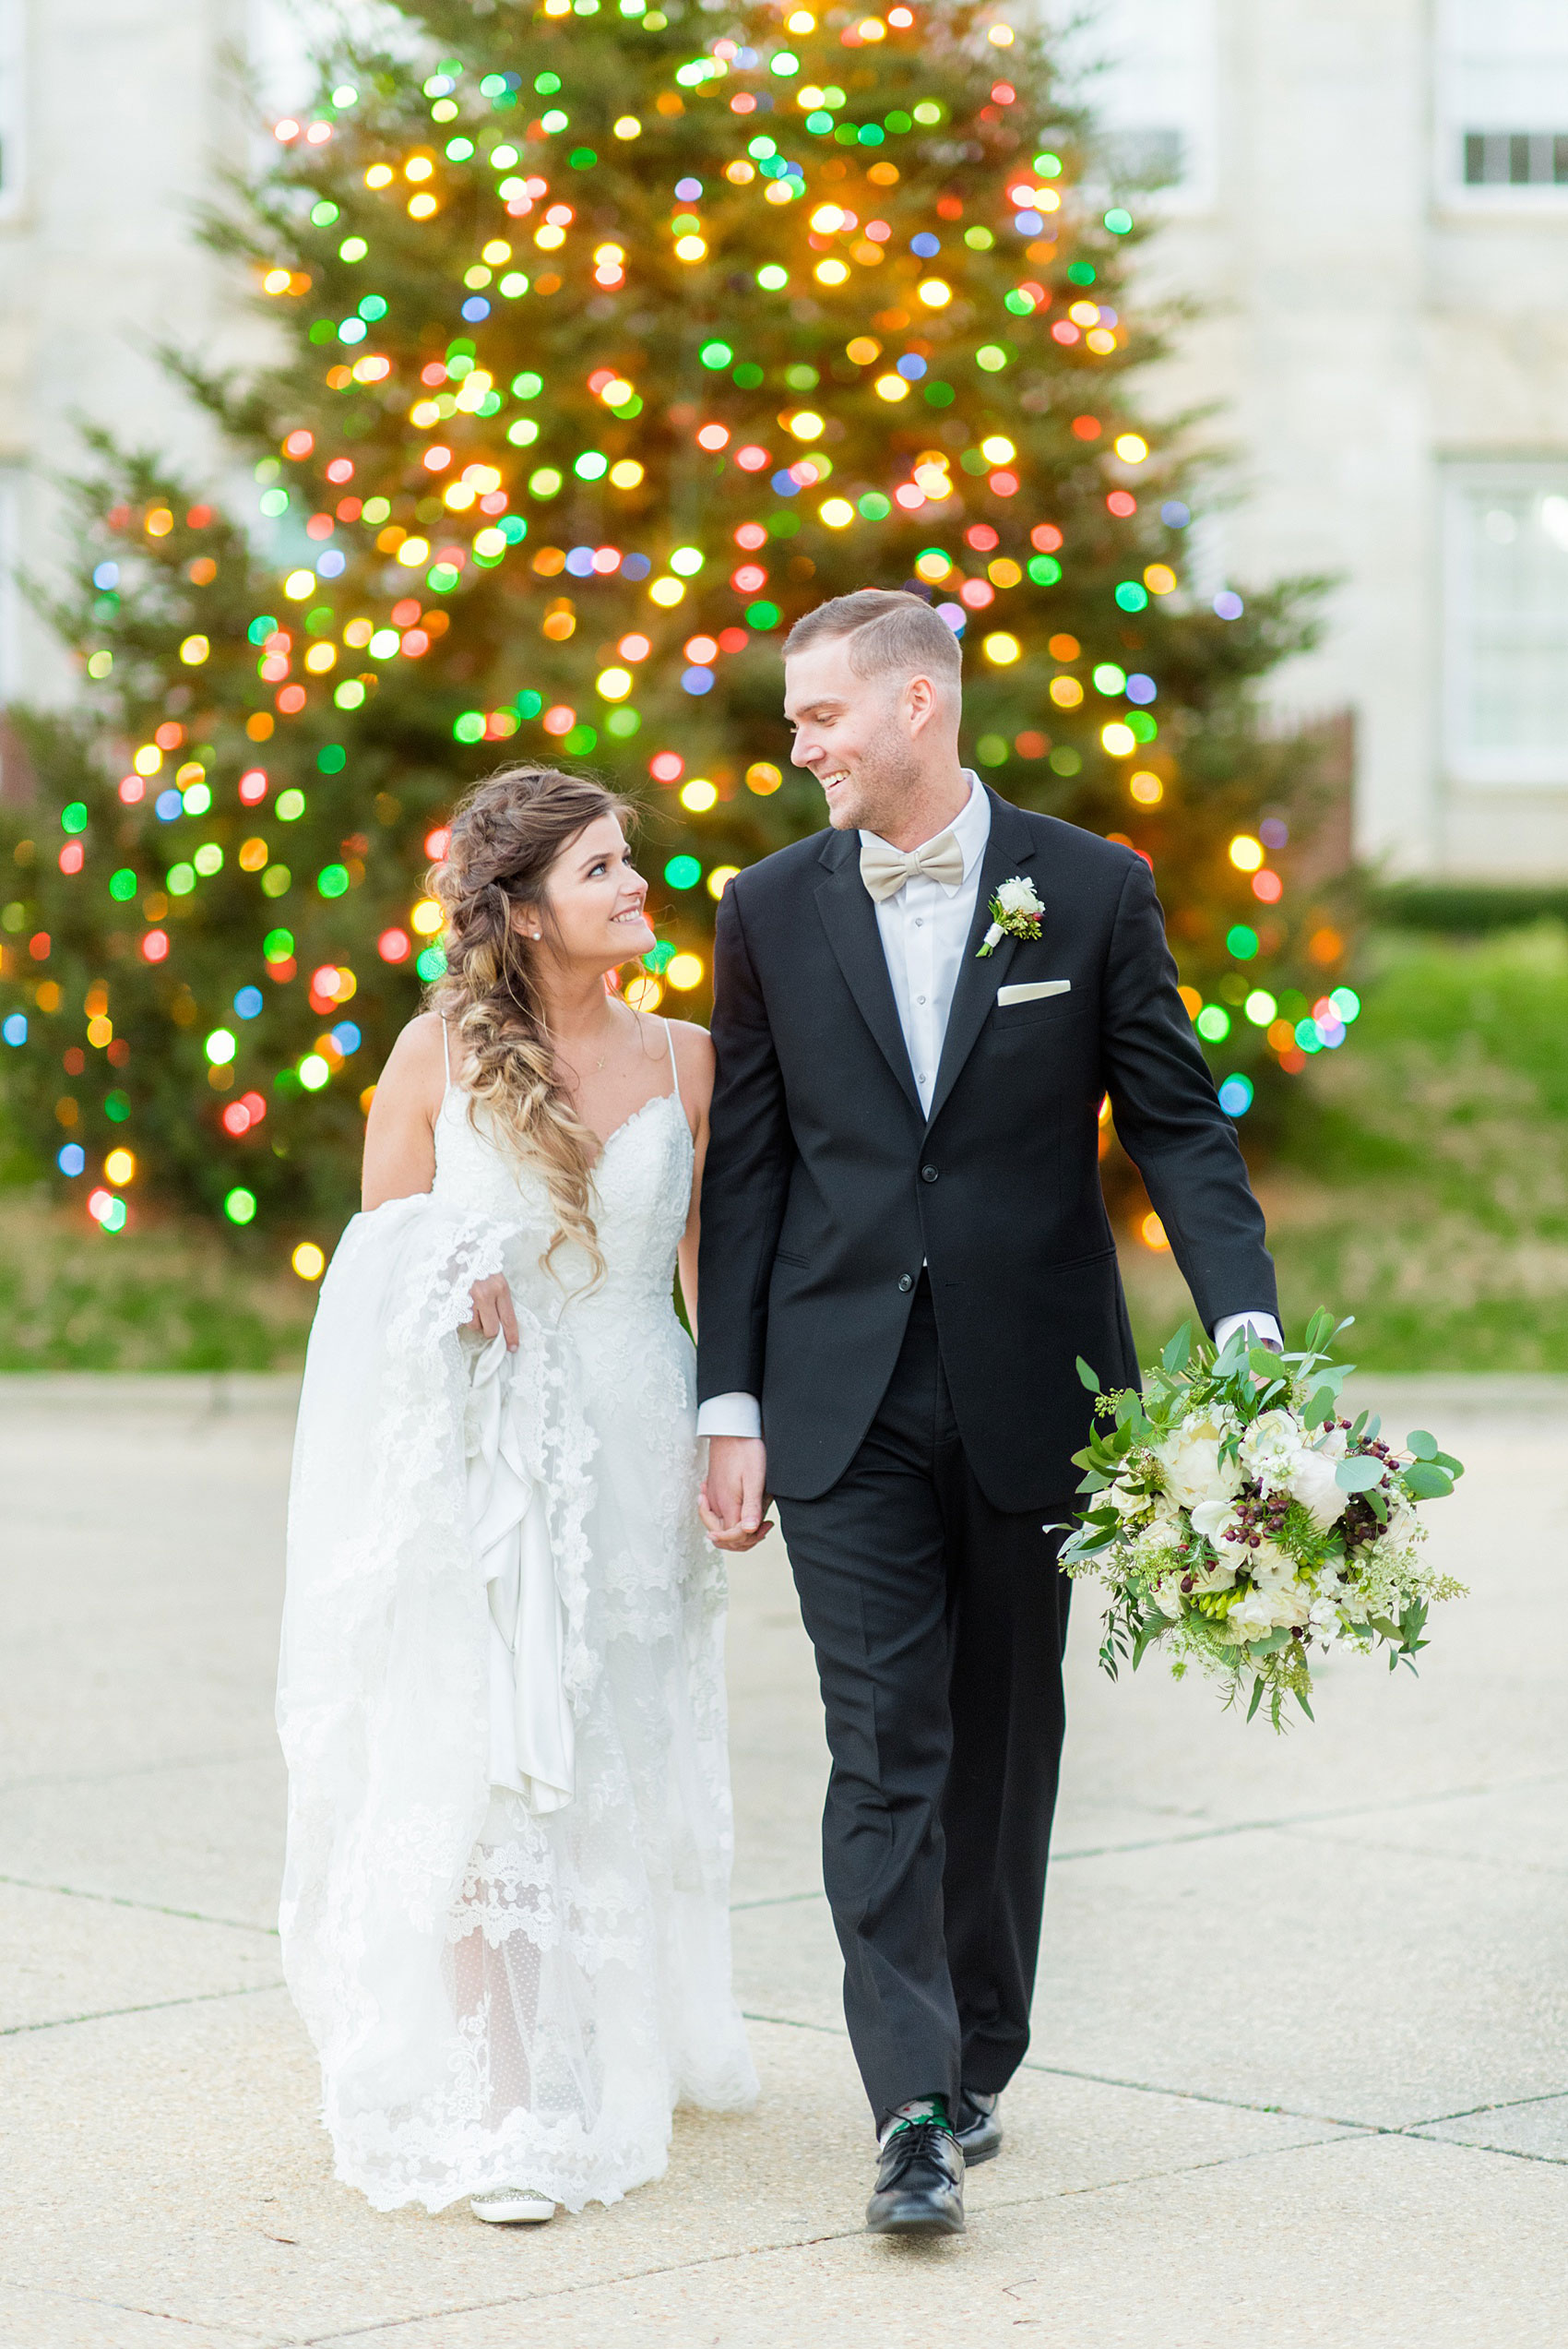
pixel 885 777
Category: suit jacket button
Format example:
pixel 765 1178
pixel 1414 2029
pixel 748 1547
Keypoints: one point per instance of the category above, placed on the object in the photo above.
pixel 906 1282
pixel 928 1174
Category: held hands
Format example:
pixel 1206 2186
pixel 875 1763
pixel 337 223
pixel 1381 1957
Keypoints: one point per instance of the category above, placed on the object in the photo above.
pixel 493 1309
pixel 732 1502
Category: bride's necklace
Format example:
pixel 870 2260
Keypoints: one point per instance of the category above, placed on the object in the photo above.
pixel 603 1057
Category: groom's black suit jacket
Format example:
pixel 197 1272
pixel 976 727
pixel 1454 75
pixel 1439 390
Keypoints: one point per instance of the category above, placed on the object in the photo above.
pixel 826 1188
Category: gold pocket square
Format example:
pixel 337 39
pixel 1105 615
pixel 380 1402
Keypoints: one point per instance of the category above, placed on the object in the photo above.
pixel 1033 994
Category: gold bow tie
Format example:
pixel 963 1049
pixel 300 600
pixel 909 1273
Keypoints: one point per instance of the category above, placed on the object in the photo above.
pixel 885 870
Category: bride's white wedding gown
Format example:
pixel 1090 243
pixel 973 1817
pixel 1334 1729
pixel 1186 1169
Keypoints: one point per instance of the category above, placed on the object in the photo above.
pixel 502 1701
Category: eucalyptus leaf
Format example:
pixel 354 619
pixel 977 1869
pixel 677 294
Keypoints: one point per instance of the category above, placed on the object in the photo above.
pixel 1421 1444
pixel 1358 1474
pixel 1424 1481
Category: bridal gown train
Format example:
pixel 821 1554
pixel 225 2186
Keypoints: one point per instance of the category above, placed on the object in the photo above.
pixel 504 1914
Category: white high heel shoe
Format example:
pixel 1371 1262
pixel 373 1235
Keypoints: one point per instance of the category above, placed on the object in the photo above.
pixel 512 2206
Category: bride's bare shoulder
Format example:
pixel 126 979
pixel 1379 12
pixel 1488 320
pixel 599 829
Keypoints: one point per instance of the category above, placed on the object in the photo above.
pixel 693 1059
pixel 416 1062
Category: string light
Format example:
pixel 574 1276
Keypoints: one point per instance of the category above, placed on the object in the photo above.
pixel 885 429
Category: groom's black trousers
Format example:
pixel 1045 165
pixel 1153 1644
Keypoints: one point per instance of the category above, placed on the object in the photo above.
pixel 939 1623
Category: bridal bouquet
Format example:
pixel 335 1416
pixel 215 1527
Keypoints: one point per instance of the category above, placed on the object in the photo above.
pixel 1243 1522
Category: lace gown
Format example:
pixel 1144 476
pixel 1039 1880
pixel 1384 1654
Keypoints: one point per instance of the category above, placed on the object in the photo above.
pixel 510 1982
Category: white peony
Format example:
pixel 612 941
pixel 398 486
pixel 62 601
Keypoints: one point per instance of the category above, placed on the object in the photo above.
pixel 1193 1469
pixel 1018 896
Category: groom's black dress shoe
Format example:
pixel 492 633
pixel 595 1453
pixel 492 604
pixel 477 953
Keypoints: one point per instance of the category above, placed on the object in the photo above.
pixel 978 2128
pixel 920 2183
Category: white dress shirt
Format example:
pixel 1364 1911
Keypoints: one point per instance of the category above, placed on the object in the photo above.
pixel 924 928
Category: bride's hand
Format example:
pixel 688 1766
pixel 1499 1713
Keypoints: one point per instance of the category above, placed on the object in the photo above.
pixel 493 1309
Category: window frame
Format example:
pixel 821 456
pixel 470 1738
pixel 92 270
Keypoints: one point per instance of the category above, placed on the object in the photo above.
pixel 1450 129
pixel 1091 74
pixel 1489 770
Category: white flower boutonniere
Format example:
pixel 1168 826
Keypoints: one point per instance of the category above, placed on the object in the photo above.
pixel 1015 912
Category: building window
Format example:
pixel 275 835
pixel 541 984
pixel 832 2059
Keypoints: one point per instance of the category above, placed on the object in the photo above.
pixel 1145 68
pixel 1504 97
pixel 1506 625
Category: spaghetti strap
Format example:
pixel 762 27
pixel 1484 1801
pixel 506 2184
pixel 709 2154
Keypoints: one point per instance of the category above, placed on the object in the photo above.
pixel 674 1065
pixel 446 1052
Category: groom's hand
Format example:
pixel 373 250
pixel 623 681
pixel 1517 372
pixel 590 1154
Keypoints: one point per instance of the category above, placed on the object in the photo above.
pixel 732 1502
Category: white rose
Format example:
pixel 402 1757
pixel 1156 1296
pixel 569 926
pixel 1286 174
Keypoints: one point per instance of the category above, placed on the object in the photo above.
pixel 1018 897
pixel 1167 1595
pixel 1193 1469
pixel 1163 1532
pixel 1127 1503
pixel 1313 1485
pixel 1270 1567
pixel 1251 1617
pixel 1218 1577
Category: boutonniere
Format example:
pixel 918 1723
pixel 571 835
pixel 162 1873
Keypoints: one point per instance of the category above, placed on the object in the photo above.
pixel 1015 912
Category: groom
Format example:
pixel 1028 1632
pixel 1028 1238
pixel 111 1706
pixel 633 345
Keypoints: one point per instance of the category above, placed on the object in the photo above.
pixel 904 1247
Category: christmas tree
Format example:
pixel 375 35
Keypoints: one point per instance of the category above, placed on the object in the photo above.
pixel 613 342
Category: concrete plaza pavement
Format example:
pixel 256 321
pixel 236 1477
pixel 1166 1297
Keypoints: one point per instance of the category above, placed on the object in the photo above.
pixel 1300 2071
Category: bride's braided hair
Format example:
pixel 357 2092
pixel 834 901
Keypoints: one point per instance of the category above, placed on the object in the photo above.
pixel 505 838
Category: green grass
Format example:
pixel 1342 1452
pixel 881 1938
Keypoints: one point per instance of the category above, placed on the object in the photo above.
pixel 1423 1186
pixel 74 1299
pixel 1423 1183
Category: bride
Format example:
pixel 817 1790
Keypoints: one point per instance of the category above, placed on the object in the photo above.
pixel 505 1914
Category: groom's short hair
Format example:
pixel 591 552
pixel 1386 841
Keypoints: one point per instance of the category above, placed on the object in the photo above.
pixel 890 632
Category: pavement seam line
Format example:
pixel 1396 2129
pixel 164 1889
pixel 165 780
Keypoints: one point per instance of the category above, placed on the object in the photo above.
pixel 796 2243
pixel 1412 2128
pixel 1304 1818
pixel 1468 2145
pixel 150 1908
pixel 1504 2104
pixel 132 1769
pixel 134 2309
pixel 1311 1831
pixel 153 2007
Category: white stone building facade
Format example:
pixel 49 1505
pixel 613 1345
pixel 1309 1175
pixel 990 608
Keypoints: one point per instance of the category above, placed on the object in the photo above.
pixel 1371 202
pixel 1370 198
